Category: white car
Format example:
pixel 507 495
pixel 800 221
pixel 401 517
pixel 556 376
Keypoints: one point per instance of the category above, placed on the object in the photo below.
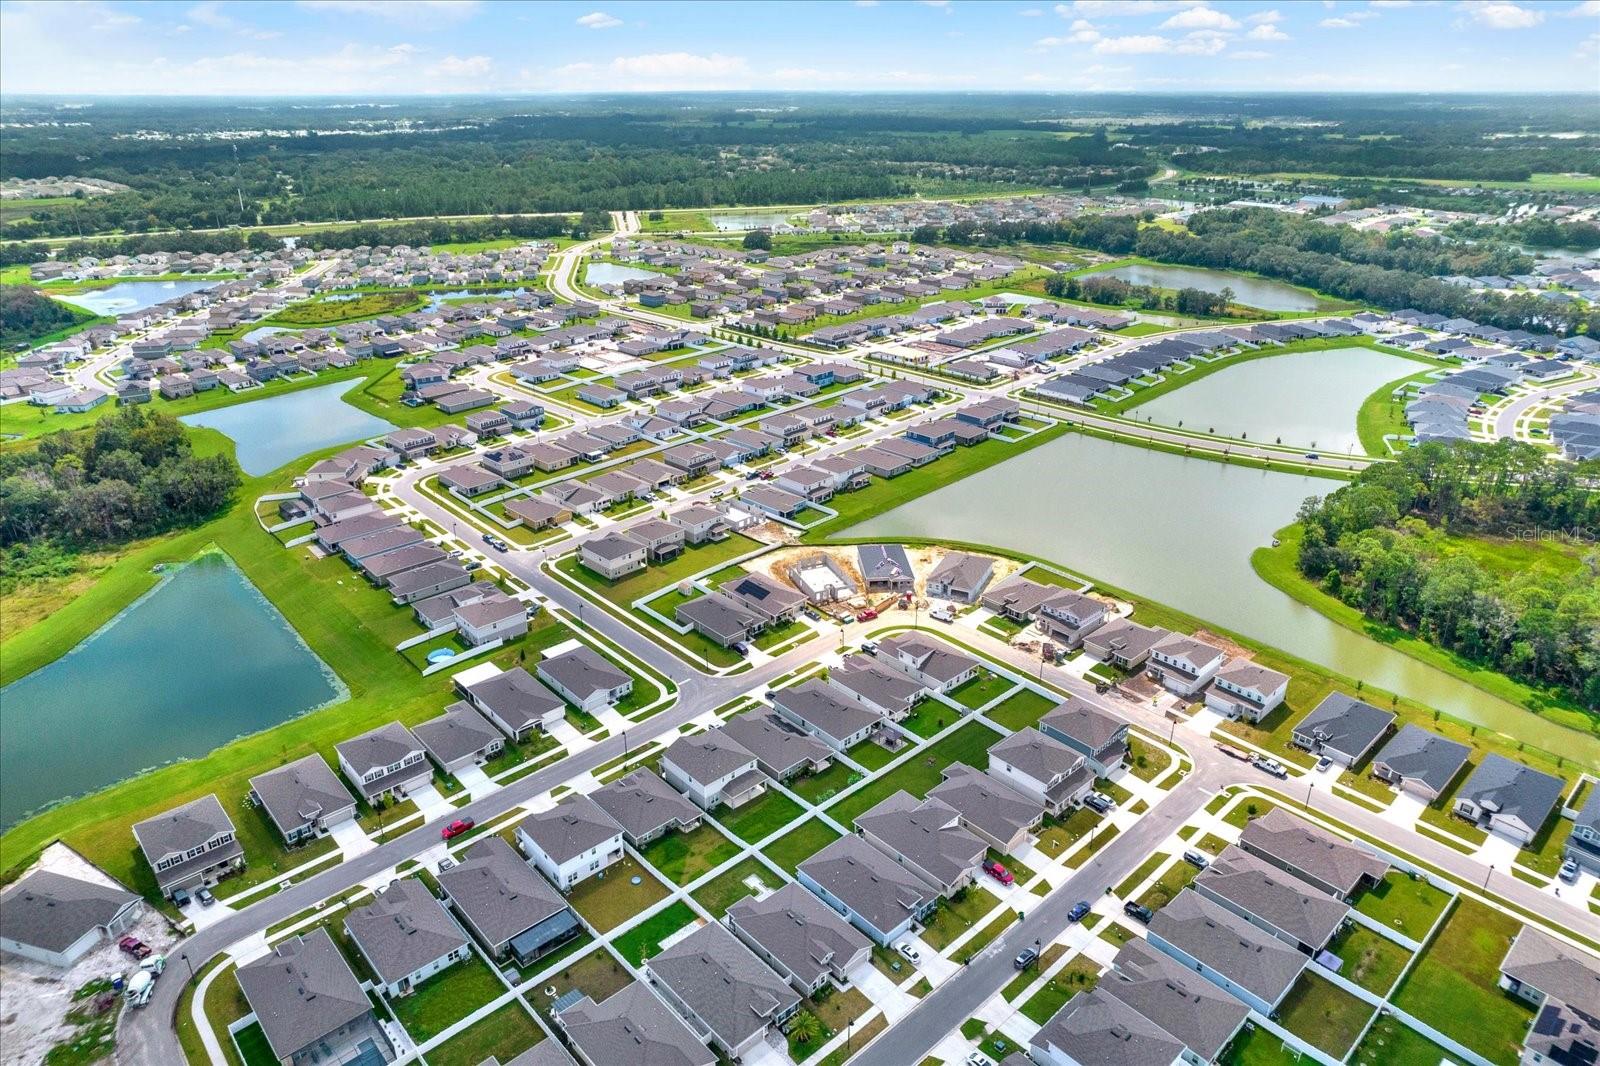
pixel 910 952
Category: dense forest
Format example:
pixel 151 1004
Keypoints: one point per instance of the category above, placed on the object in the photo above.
pixel 26 317
pixel 133 474
pixel 1401 543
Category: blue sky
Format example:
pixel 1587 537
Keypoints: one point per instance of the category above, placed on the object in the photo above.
pixel 370 47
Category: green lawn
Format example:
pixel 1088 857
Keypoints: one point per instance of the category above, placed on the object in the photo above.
pixel 644 939
pixel 800 843
pixel 1255 1046
pixel 872 755
pixel 1079 975
pixel 1452 987
pixel 921 771
pixel 252 1044
pixel 1388 1041
pixel 929 718
pixel 983 937
pixel 682 857
pixel 1371 961
pixel 730 886
pixel 505 1034
pixel 1172 881
pixel 987 685
pixel 1323 1014
pixel 1056 835
pixel 598 975
pixel 820 788
pixel 1409 904
pixel 835 1009
pixel 1019 984
pixel 1022 709
pixel 446 998
pixel 1145 760
pixel 1144 870
pixel 956 915
pixel 610 898
pixel 761 817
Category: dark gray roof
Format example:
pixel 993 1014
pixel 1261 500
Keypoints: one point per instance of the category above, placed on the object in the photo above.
pixel 380 747
pixel 458 732
pixel 516 697
pixel 724 983
pixel 986 802
pixel 1310 852
pixel 1275 896
pixel 301 991
pixel 960 570
pixel 880 685
pixel 635 1028
pixel 641 803
pixel 1253 959
pixel 798 929
pixel 1416 753
pixel 775 744
pixel 1177 999
pixel 499 893
pixel 927 833
pixel 300 792
pixel 544 1053
pixel 1098 1029
pixel 182 828
pixel 932 657
pixel 570 828
pixel 708 756
pixel 720 615
pixel 813 702
pixel 52 911
pixel 1344 724
pixel 884 562
pixel 1509 788
pixel 583 671
pixel 403 929
pixel 871 884
pixel 1559 971
pixel 1090 725
pixel 1040 757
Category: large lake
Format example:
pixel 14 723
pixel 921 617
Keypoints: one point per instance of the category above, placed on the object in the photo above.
pixel 1180 531
pixel 615 274
pixel 126 297
pixel 201 659
pixel 1307 399
pixel 270 432
pixel 734 222
pixel 1253 292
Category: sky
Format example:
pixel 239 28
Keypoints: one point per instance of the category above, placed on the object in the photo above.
pixel 372 47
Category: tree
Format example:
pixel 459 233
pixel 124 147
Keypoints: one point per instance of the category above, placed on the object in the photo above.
pixel 805 1027
pixel 758 239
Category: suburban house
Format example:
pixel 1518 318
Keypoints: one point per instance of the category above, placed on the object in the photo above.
pixel 764 597
pixel 1183 664
pixel 1242 689
pixel 1067 617
pixel 385 762
pixel 613 555
pixel 1017 598
pixel 1342 728
pixel 817 708
pixel 989 808
pixel 1125 644
pixel 572 841
pixel 506 904
pixel 925 837
pixel 1420 762
pixel 1226 950
pixel 645 807
pixel 1583 846
pixel 490 618
pixel 1508 798
pixel 406 936
pixel 1272 899
pixel 1091 731
pixel 302 800
pixel 1204 1018
pixel 1042 768
pixel 721 618
pixel 190 847
pixel 876 894
pixel 782 752
pixel 885 568
pixel 878 687
pixel 1096 1027
pixel 711 769
pixel 309 1004
pixel 960 577
pixel 516 702
pixel 459 738
pixel 719 986
pixel 1561 982
pixel 796 934
pixel 55 919
pixel 1316 857
pixel 928 661
pixel 582 677
pixel 634 1026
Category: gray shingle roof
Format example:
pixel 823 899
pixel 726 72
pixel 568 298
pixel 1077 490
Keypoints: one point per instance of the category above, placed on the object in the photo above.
pixel 815 703
pixel 403 929
pixel 570 828
pixel 641 803
pixel 1098 1029
pixel 458 732
pixel 708 756
pixel 1344 724
pixel 583 671
pixel 302 990
pixel 1176 999
pixel 1088 724
pixel 1040 757
pixel 499 893
pixel 1561 972
pixel 635 1028
pixel 1310 852
pixel 1275 896
pixel 927 833
pixel 1509 788
pixel 516 697
pixel 871 884
pixel 799 930
pixel 1253 959
pixel 985 802
pixel 1416 753
pixel 52 911
pixel 778 747
pixel 383 746
pixel 300 792
pixel 879 685
pixel 724 983
pixel 182 828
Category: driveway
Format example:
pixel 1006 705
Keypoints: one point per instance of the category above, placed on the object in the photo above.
pixel 475 781
pixel 429 802
pixel 351 838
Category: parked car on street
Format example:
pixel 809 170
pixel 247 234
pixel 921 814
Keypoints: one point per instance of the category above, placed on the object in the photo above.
pixel 456 828
pixel 1079 909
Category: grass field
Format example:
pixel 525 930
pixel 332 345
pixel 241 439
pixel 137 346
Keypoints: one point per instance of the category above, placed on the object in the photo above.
pixel 921 771
pixel 1371 961
pixel 644 939
pixel 683 857
pixel 503 1035
pixel 760 818
pixel 446 998
pixel 1079 975
pixel 1323 1014
pixel 800 843
pixel 1409 904
pixel 609 898
pixel 729 887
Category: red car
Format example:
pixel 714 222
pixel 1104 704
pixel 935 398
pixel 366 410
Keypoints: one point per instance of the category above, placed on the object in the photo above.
pixel 456 828
pixel 998 872
pixel 132 945
pixel 866 616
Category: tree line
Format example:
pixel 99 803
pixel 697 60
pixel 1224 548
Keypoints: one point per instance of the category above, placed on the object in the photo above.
pixel 1428 544
pixel 1120 293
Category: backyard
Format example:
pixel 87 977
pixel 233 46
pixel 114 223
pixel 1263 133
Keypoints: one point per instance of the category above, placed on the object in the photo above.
pixel 761 817
pixel 446 998
pixel 923 770
pixel 644 939
pixel 732 885
pixel 800 843
pixel 1323 1014
pixel 1410 904
pixel 682 857
pixel 610 897
pixel 503 1035
pixel 1371 961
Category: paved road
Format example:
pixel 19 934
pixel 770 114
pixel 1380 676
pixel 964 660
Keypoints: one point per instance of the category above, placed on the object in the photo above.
pixel 1507 417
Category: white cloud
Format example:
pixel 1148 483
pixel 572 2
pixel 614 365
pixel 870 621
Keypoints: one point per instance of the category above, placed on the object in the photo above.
pixel 655 71
pixel 211 16
pixel 1133 45
pixel 1110 8
pixel 408 11
pixel 460 67
pixel 599 20
pixel 1204 43
pixel 1201 18
pixel 1496 15
pixel 1264 17
pixel 1588 7
pixel 1589 46
pixel 1267 32
pixel 1348 21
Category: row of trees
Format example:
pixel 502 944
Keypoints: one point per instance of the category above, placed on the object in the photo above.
pixel 1403 544
pixel 133 474
pixel 26 317
pixel 1116 292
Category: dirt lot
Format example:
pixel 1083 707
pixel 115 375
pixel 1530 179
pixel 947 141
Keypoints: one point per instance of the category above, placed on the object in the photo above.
pixel 923 561
pixel 34 998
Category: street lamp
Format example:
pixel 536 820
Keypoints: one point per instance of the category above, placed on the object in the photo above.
pixel 1488 875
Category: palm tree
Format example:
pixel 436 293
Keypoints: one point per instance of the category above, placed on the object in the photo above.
pixel 805 1027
